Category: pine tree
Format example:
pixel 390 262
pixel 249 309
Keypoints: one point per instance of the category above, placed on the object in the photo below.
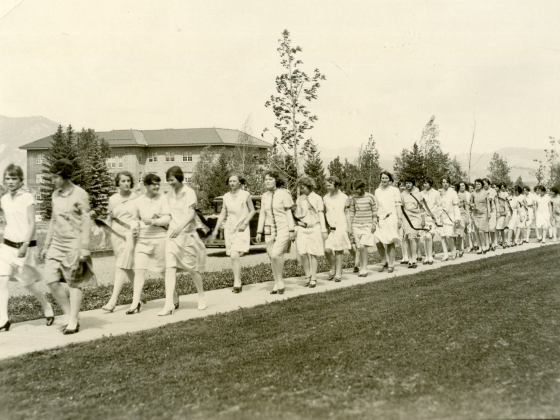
pixel 100 184
pixel 335 168
pixel 368 165
pixel 519 181
pixel 210 177
pixel 410 164
pixel 314 167
pixel 499 170
pixel 63 146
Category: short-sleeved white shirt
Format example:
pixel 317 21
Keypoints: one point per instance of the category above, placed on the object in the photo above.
pixel 15 211
pixel 335 206
pixel 178 208
pixel 146 208
pixel 308 208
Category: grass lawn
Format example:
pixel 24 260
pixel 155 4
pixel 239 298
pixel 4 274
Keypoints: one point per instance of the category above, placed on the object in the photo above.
pixel 477 340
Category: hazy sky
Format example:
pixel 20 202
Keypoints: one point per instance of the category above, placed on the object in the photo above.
pixel 390 65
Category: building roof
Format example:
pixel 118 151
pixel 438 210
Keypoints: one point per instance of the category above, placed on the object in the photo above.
pixel 165 138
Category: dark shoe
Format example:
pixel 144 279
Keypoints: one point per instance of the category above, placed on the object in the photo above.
pixel 234 290
pixel 66 331
pixel 308 280
pixel 356 269
pixel 419 259
pixel 6 326
pixel 383 267
pixel 312 283
pixel 404 262
pixel 413 265
pixel 273 292
pixel 362 275
pixel 281 291
pixel 50 319
pixel 131 311
pixel 391 269
pixel 330 276
pixel 430 262
pixel 337 279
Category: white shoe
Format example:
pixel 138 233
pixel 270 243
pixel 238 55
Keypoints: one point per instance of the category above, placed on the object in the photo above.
pixel 201 304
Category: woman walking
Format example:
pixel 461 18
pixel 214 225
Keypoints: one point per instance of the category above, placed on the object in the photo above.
pixel 237 211
pixel 121 219
pixel 431 200
pixel 362 216
pixel 388 200
pixel 338 241
pixel 184 250
pixel 480 210
pixel 451 219
pixel 311 230
pixel 18 252
pixel 414 219
pixel 542 213
pixel 464 198
pixel 517 219
pixel 555 213
pixel 66 247
pixel 276 223
pixel 151 217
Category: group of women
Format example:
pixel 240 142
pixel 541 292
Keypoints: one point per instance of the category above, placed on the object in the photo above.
pixel 149 232
pixel 157 232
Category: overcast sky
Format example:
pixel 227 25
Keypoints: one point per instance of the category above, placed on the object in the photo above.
pixel 390 66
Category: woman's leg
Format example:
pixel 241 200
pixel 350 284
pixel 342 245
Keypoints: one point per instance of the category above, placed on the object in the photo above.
pixel 170 285
pixel 413 246
pixel 236 268
pixel 305 262
pixel 405 251
pixel 391 250
pixel 332 262
pixel 277 263
pixel 139 279
pixel 121 275
pixel 59 294
pixel 75 305
pixel 429 243
pixel 313 266
pixel 4 298
pixel 338 265
pixel 381 252
pixel 197 280
pixel 363 259
pixel 33 288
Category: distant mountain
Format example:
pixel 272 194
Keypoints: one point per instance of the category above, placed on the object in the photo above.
pixel 522 160
pixel 15 132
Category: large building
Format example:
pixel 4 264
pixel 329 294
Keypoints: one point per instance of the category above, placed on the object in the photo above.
pixel 149 151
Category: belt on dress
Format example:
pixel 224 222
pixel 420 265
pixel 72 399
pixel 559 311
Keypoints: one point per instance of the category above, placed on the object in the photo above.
pixel 306 225
pixel 123 224
pixel 18 245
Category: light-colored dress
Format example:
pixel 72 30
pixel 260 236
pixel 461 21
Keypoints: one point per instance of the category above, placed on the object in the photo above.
pixel 276 206
pixel 412 224
pixel 362 213
pixel 514 203
pixel 122 219
pixel 387 200
pixel 309 239
pixel 450 213
pixel 556 210
pixel 237 212
pixel 71 232
pixel 149 252
pixel 464 199
pixel 186 252
pixel 431 199
pixel 479 202
pixel 24 270
pixel 503 212
pixel 542 212
pixel 492 222
pixel 338 233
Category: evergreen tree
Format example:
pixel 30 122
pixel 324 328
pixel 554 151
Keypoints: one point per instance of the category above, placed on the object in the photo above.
pixel 283 163
pixel 499 169
pixel 519 181
pixel 210 177
pixel 63 146
pixel 410 164
pixel 368 165
pixel 335 168
pixel 314 167
pixel 350 172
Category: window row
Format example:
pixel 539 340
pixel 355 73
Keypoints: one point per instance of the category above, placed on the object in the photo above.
pixel 170 156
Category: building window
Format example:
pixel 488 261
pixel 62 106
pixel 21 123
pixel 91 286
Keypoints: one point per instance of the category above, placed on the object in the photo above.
pixel 120 160
pixel 39 178
pixel 187 156
pixel 115 161
pixel 188 176
pixel 40 159
pixel 169 157
pixel 139 156
pixel 152 157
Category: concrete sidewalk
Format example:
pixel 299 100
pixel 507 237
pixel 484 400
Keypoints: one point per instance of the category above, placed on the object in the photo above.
pixel 30 336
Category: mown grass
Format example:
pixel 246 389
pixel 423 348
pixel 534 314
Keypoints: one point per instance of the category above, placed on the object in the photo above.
pixel 477 340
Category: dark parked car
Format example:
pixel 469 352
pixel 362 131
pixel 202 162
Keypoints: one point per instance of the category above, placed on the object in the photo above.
pixel 213 219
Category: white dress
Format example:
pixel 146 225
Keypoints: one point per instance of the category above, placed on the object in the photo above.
pixel 237 212
pixel 309 239
pixel 338 236
pixel 387 200
pixel 542 212
pixel 122 216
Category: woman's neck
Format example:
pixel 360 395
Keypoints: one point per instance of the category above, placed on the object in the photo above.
pixel 66 186
pixel 125 193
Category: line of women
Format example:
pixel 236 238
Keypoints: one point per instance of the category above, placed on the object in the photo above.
pixel 150 232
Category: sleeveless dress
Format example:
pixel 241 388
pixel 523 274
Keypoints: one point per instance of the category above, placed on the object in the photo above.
pixel 237 212
pixel 309 239
pixel 338 235
pixel 479 202
pixel 556 211
pixel 387 200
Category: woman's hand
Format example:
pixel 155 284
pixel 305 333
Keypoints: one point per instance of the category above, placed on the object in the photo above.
pixel 147 222
pixel 259 238
pixel 242 227
pixel 292 235
pixel 44 252
pixel 175 232
pixel 84 253
pixel 23 250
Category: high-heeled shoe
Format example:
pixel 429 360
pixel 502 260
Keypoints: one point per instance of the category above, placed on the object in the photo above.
pixel 50 319
pixel 176 300
pixel 201 304
pixel 237 289
pixel 166 311
pixel 66 331
pixel 109 308
pixel 131 311
pixel 281 291
pixel 307 281
pixel 383 267
pixel 273 292
pixel 6 326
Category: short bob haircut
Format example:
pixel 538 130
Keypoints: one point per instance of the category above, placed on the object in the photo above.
pixel 389 174
pixel 14 171
pixel 124 173
pixel 480 181
pixel 485 180
pixel 308 182
pixel 334 180
pixel 555 190
pixel 526 188
pixel 240 177
pixel 151 179
pixel 359 183
pixel 429 181
pixel 411 180
pixel 518 189
pixel 447 178
pixel 280 181
pixel 462 182
pixel 63 168
pixel 176 172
